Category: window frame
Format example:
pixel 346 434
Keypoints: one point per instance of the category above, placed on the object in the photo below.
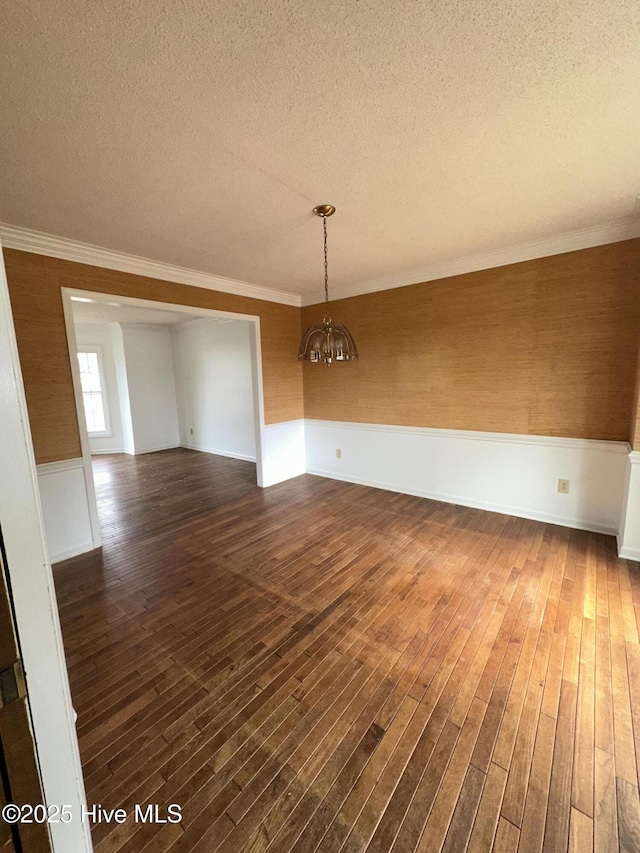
pixel 97 349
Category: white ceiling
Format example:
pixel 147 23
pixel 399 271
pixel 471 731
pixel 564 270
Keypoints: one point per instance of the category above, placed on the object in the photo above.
pixel 201 133
pixel 103 312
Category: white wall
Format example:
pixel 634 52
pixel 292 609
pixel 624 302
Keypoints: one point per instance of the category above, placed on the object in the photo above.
pixel 514 474
pixel 117 339
pixel 151 387
pixel 100 334
pixel 139 384
pixel 629 535
pixel 215 387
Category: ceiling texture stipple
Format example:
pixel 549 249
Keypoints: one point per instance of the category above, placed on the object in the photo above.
pixel 202 133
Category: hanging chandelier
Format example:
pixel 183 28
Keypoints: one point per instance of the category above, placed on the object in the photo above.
pixel 327 342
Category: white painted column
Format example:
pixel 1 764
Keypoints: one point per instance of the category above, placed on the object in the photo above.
pixel 629 536
pixel 34 600
pixel 117 342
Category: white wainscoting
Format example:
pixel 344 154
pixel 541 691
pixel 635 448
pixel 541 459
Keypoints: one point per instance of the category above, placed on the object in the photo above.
pixel 513 474
pixel 629 534
pixel 65 509
pixel 283 451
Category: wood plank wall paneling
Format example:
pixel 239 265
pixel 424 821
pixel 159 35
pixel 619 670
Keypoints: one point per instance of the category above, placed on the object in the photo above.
pixel 34 288
pixel 543 347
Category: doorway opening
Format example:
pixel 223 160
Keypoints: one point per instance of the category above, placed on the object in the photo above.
pixel 152 376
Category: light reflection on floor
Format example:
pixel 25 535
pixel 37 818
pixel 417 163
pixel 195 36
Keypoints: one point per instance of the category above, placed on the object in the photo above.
pixel 101 478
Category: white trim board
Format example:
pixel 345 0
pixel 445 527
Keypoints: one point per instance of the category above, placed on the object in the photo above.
pixel 39 243
pixel 155 449
pixel 628 553
pixel 198 447
pixel 572 241
pixel 462 500
pixel 36 611
pixel 513 474
pixel 63 549
pixel 479 435
pixel 46 468
pixel 216 452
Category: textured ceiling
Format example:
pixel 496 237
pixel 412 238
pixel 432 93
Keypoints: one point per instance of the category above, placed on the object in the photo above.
pixel 201 133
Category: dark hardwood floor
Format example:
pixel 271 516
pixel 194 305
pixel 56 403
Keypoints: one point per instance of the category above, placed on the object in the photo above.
pixel 321 667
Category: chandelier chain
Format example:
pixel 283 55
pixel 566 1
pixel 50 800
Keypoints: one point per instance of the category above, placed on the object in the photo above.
pixel 325 343
pixel 326 265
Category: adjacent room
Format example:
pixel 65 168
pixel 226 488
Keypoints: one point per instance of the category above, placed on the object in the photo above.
pixel 320 523
pixel 152 380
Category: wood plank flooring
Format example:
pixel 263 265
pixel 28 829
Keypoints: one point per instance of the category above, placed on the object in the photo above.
pixel 322 667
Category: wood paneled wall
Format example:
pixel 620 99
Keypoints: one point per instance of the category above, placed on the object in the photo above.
pixel 36 301
pixel 544 347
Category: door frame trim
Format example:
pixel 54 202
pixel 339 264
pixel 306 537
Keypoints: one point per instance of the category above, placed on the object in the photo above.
pixel 188 311
pixel 35 605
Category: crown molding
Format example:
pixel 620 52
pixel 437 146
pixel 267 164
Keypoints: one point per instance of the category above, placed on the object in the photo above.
pixel 39 243
pixel 585 238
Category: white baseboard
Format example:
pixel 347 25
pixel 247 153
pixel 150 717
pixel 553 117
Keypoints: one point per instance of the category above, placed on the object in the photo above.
pixel 216 451
pixel 630 554
pixel 511 474
pixel 105 452
pixel 626 551
pixel 142 450
pixel 73 552
pixel 521 512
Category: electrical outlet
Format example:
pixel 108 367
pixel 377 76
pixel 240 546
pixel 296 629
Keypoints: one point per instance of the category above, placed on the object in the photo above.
pixel 563 487
pixel 338 453
pixel 191 431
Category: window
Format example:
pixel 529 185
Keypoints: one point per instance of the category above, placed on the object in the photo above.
pixel 93 392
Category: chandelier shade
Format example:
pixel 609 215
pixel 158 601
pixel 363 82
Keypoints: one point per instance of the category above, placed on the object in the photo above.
pixel 328 341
